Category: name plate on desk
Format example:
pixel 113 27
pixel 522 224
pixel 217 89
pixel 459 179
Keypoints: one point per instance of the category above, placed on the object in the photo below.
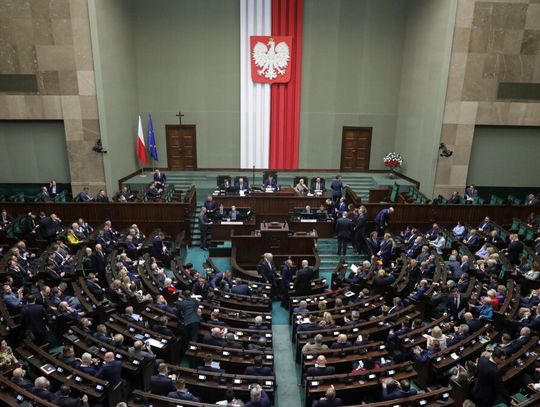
pixel 232 222
pixel 308 220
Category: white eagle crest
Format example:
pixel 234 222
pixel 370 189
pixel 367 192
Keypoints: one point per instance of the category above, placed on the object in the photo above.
pixel 272 59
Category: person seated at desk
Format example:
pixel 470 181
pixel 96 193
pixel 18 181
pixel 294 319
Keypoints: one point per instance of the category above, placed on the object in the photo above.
pixel 5 219
pixel 210 366
pixel 258 369
pixel 101 196
pixel 160 179
pixel 220 213
pixel 329 399
pixel 233 214
pixel 18 378
pixel 214 337
pixel 241 185
pixel 393 389
pixel 270 183
pixel 41 389
pixel 181 393
pixel 65 400
pixel 317 185
pixel 455 198
pixel 301 186
pixel 322 212
pixel 320 368
pixel 153 191
pixel 84 196
pixel 227 187
pixel 44 196
pixel 307 211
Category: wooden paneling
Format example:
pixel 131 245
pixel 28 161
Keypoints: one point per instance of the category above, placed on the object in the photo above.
pixel 181 147
pixel 355 149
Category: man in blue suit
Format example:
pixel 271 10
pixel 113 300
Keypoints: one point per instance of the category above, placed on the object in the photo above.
pixel 241 185
pixel 111 370
pixel 159 250
pixel 382 219
pixel 270 182
pixel 160 178
pixel 336 186
pixel 258 369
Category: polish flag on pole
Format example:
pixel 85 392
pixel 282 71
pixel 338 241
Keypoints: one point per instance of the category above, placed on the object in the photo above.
pixel 141 147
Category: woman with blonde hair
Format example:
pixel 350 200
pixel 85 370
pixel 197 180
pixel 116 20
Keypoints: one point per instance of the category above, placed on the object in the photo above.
pixel 438 337
pixel 327 321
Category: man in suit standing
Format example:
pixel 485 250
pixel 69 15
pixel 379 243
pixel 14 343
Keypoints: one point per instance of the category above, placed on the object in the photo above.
pixel 302 284
pixel 210 205
pixel 159 250
pixel 489 389
pixel 161 383
pixel 359 231
pixel 111 369
pixel 344 228
pixel 266 268
pixel 457 305
pixel 99 262
pixel 188 310
pixel 382 219
pixel 160 178
pixel 34 319
pixel 204 225
pixel 286 278
pixel 471 193
pixel 317 185
pixel 514 250
pixel 336 186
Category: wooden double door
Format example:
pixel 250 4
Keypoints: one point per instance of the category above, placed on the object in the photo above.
pixel 181 147
pixel 355 149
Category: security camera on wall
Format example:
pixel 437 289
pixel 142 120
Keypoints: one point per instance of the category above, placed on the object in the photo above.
pixel 98 148
pixel 444 151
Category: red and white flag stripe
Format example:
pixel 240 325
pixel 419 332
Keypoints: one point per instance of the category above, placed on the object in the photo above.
pixel 270 113
pixel 141 147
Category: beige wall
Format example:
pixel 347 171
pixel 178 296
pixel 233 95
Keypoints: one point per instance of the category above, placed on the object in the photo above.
pixel 494 41
pixel 52 40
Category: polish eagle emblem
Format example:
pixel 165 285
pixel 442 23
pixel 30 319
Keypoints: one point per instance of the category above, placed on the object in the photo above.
pixel 270 60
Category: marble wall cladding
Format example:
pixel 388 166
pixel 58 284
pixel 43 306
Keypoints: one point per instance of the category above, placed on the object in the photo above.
pixel 494 41
pixel 51 38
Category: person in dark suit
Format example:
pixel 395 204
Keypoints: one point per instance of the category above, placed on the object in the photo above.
pixel 161 383
pixel 514 249
pixel 471 239
pixel 344 228
pixel 486 225
pixel 317 185
pixel 382 219
pixel 101 196
pixel 64 399
pixel 373 243
pixel 159 250
pixel 302 283
pixel 210 205
pixel 341 342
pixel 286 278
pixel 267 269
pixel 207 367
pixel 462 332
pixel 84 195
pixel 214 337
pixel 489 388
pixel 385 251
pixel 161 326
pixel 123 195
pixel 204 226
pixel 111 369
pixel 220 213
pixel 44 196
pixel 5 219
pixel 457 305
pixel 34 319
pixel 241 184
pixel 320 368
pixel 258 369
pixel 227 187
pixel 99 262
pixel 337 187
pixel 329 399
pixel 182 393
pixel 270 182
pixel 474 323
pixel 160 178
pixel 242 289
pixel 359 231
pixel 188 310
pixel 41 389
pixel 18 378
pixel 49 226
pixel 395 390
pixel 153 192
pixel 258 397
pixel 222 277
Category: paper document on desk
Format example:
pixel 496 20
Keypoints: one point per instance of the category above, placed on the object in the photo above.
pixel 308 220
pixel 155 343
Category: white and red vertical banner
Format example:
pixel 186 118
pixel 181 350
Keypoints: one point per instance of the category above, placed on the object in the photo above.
pixel 270 80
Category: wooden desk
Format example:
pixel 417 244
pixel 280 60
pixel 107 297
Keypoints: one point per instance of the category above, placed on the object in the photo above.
pixel 273 205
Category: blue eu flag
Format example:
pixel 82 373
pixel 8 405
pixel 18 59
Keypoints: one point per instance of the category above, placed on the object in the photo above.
pixel 151 139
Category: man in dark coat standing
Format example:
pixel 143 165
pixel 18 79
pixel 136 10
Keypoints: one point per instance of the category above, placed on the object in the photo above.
pixel 489 389
pixel 344 228
pixel 34 319
pixel 382 219
pixel 302 284
pixel 188 310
